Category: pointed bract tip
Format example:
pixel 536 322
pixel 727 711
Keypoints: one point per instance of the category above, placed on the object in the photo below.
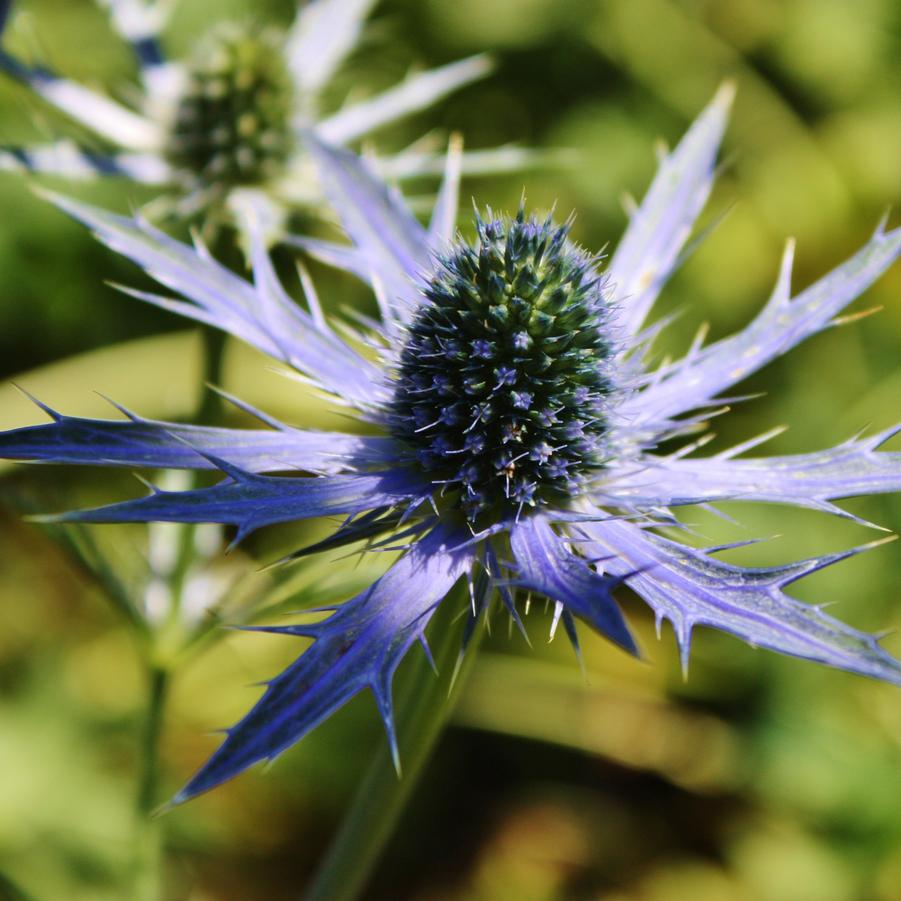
pixel 661 150
pixel 46 518
pixel 628 203
pixel 630 645
pixel 683 639
pixel 129 414
pixel 456 672
pixel 725 95
pixel 167 806
pixel 786 265
pixel 876 441
pixel 424 644
pixel 153 489
pixel 878 542
pixel 61 201
pixel 481 64
pixel 90 216
pixel 53 414
pixel 395 759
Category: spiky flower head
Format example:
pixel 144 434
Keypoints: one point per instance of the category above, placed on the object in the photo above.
pixel 220 130
pixel 504 379
pixel 551 326
pixel 233 122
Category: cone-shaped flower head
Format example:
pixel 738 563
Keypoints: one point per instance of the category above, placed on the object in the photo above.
pixel 503 379
pixel 518 430
pixel 226 120
pixel 232 125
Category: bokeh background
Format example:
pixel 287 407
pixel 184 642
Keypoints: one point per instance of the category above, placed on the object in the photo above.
pixel 757 779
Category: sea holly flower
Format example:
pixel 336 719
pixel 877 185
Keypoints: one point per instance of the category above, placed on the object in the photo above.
pixel 518 428
pixel 226 120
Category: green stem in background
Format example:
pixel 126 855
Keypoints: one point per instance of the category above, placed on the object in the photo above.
pixel 148 848
pixel 210 412
pixel 148 857
pixel 423 709
pixel 211 408
pixel 226 251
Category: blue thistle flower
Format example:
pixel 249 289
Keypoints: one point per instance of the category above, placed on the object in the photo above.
pixel 518 431
pixel 503 379
pixel 227 120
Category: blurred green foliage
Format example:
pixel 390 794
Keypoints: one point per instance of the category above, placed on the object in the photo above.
pixel 759 778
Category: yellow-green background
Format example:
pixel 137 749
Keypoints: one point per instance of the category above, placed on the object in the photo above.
pixel 760 778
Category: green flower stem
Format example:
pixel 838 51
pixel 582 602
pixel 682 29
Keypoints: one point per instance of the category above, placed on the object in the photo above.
pixel 211 408
pixel 148 856
pixel 423 709
pixel 160 654
pixel 226 251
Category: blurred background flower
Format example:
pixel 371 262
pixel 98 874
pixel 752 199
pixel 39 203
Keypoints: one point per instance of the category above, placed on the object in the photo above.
pixel 759 778
pixel 220 126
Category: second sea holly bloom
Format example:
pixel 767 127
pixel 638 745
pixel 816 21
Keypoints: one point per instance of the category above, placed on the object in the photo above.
pixel 226 120
pixel 517 433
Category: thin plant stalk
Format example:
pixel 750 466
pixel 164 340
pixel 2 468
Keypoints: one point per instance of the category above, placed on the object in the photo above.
pixel 211 407
pixel 149 856
pixel 148 862
pixel 423 707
